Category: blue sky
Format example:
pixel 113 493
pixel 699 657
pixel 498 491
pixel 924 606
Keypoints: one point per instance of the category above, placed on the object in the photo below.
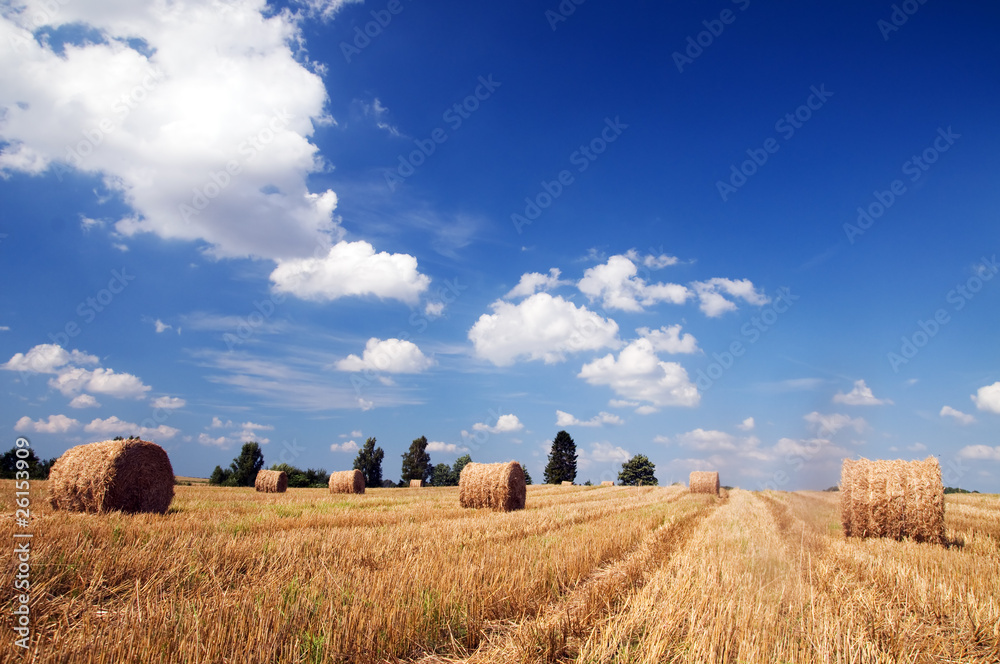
pixel 724 235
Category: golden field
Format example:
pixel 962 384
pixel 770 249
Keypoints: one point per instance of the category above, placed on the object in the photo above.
pixel 602 574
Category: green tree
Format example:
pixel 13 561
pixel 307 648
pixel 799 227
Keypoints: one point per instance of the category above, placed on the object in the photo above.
pixel 460 463
pixel 442 475
pixel 244 468
pixel 316 479
pixel 562 460
pixel 37 469
pixel 219 476
pixel 416 462
pixel 638 471
pixel 527 477
pixel 369 462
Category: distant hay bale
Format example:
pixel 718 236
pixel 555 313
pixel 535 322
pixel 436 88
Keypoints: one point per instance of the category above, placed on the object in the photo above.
pixel 416 484
pixel 607 483
pixel 271 481
pixel 704 481
pixel 114 475
pixel 566 483
pixel 347 481
pixel 893 499
pixel 498 486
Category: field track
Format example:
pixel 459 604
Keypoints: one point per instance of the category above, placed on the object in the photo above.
pixel 583 574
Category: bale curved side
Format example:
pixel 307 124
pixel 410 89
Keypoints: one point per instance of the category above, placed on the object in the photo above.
pixel 607 483
pixel 347 481
pixel 498 486
pixel 271 481
pixel 704 481
pixel 113 475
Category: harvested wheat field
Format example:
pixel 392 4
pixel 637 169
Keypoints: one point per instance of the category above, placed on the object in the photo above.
pixel 613 574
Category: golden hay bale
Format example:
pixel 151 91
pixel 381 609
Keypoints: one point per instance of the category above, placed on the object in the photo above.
pixel 499 486
pixel 607 483
pixel 566 483
pixel 416 484
pixel 114 475
pixel 894 499
pixel 347 481
pixel 271 481
pixel 704 481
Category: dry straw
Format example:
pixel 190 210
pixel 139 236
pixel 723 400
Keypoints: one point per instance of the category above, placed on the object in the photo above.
pixel 347 481
pixel 567 483
pixel 893 499
pixel 607 483
pixel 114 475
pixel 271 481
pixel 703 481
pixel 416 484
pixel 499 486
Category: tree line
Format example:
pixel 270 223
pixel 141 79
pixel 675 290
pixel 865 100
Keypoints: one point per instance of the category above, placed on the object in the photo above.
pixel 561 467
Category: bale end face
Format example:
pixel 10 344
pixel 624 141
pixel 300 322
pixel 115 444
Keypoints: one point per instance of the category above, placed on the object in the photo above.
pixel 893 499
pixel 498 486
pixel 271 481
pixel 701 481
pixel 113 475
pixel 347 481
pixel 566 483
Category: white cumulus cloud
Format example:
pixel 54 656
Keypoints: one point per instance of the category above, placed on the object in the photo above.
pixel 84 401
pixel 54 424
pixel 668 339
pixel 617 285
pixel 988 398
pixel 959 416
pixel 713 302
pixel 351 269
pixel 168 403
pixel 746 425
pixel 48 359
pixel 349 446
pixel 533 282
pixel 388 355
pixel 564 419
pixel 984 452
pixel 113 426
pixel 505 424
pixel 541 327
pixel 861 395
pixel 447 448
pixel 834 422
pixel 637 374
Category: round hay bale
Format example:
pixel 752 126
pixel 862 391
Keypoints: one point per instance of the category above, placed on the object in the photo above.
pixel 566 483
pixel 704 481
pixel 271 481
pixel 893 499
pixel 347 481
pixel 416 484
pixel 498 486
pixel 607 483
pixel 114 475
